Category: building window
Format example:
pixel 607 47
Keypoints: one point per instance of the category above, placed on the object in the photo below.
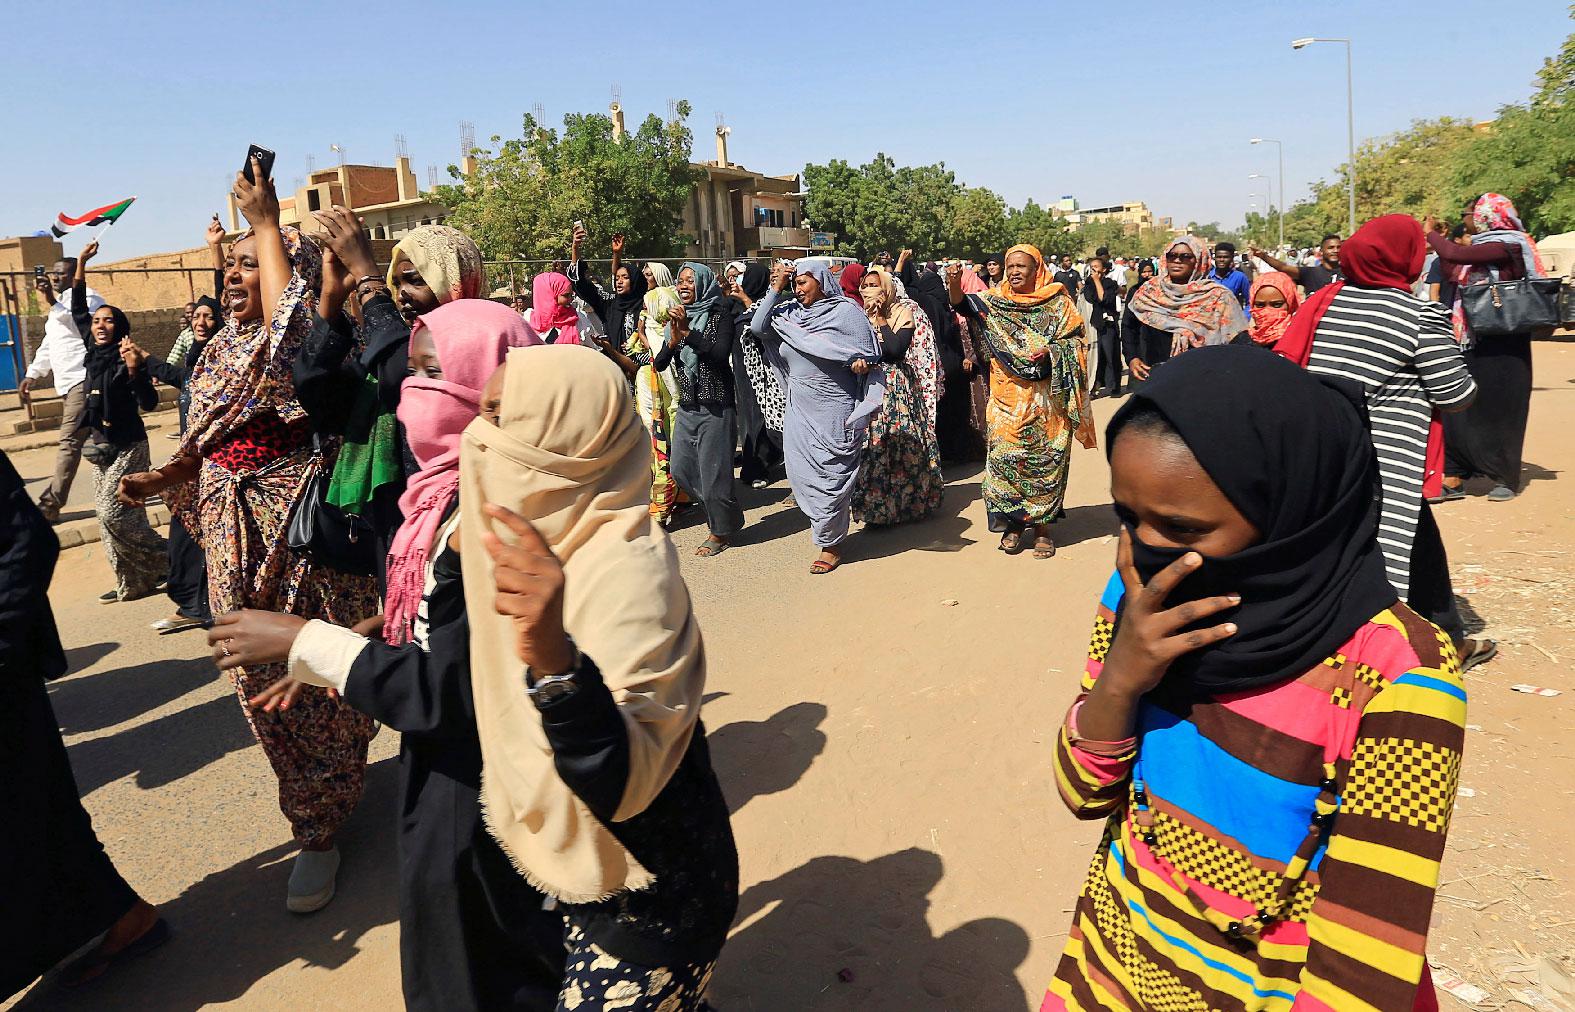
pixel 314 201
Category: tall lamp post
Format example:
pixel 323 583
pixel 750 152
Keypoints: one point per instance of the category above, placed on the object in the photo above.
pixel 1350 120
pixel 1270 185
pixel 1281 147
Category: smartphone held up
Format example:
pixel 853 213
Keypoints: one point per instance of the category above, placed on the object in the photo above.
pixel 264 159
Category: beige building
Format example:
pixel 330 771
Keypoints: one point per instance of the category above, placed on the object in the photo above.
pixel 734 212
pixel 386 198
pixel 1133 216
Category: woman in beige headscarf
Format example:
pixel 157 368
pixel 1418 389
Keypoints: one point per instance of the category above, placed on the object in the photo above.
pixel 596 779
pixel 596 782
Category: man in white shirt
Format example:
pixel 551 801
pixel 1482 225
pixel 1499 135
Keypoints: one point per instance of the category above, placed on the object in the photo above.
pixel 62 352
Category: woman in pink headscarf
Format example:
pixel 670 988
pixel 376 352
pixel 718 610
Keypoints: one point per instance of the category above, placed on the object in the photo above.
pixel 552 308
pixel 1488 438
pixel 453 350
pixel 1274 301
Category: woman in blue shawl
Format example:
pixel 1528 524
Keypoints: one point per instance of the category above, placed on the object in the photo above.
pixel 821 345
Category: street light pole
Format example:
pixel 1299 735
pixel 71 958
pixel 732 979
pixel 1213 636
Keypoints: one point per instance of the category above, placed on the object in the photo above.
pixel 1270 184
pixel 1350 120
pixel 1281 148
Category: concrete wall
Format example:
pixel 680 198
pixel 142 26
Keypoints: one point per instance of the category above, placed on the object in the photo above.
pixel 153 329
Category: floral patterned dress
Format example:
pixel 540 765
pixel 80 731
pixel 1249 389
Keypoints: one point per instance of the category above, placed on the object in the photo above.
pixel 901 477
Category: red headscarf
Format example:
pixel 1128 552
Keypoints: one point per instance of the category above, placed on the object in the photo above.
pixel 849 279
pixel 1387 252
pixel 1269 322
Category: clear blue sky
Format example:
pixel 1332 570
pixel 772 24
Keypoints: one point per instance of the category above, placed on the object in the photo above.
pixel 1129 101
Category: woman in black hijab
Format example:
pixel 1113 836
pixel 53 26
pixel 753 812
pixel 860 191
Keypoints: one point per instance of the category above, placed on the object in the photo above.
pixel 760 398
pixel 620 312
pixel 959 441
pixel 1256 698
pixel 119 388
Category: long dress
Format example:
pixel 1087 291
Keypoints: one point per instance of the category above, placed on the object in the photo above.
pixel 901 478
pixel 257 459
pixel 656 401
pixel 1211 825
pixel 1038 403
pixel 61 888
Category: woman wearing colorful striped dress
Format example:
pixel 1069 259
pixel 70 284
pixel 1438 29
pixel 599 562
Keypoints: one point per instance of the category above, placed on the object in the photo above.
pixel 1273 737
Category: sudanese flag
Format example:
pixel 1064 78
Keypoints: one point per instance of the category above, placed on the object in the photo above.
pixel 109 213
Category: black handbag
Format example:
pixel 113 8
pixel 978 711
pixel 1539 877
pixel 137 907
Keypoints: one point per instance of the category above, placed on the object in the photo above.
pixel 1497 308
pixel 325 532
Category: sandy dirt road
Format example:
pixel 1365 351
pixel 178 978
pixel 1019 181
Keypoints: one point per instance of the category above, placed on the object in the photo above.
pixel 884 739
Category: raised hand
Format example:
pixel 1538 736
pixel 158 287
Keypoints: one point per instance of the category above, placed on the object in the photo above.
pixel 617 244
pixel 529 581
pixel 88 252
pixel 258 202
pixel 781 277
pixel 343 234
pixel 214 234
pixel 337 285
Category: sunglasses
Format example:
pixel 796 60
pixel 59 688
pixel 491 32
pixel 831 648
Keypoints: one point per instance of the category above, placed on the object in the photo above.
pixel 1179 258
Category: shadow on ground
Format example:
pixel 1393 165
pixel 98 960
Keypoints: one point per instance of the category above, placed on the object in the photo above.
pixel 84 657
pixel 840 933
pixel 231 928
pixel 160 751
pixel 94 702
pixel 756 757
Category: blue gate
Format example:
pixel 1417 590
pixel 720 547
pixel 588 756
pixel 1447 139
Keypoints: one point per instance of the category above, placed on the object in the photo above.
pixel 11 365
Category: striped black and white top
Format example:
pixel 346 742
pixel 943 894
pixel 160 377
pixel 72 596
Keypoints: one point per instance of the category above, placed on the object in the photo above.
pixel 1402 352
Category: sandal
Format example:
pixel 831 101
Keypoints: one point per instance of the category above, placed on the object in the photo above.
pixel 1451 493
pixel 710 548
pixel 1476 652
pixel 1011 542
pixel 820 567
pixel 1044 548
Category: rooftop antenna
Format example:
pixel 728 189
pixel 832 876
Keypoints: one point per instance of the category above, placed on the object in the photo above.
pixel 672 109
pixel 298 183
pixel 432 177
pixel 339 151
pixel 311 163
pixel 617 93
pixel 467 139
pixel 401 149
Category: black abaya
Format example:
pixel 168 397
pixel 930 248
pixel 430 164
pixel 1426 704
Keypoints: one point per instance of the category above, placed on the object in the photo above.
pixel 1488 437
pixel 473 934
pixel 61 889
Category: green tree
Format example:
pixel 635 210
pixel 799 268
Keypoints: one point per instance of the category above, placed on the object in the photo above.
pixel 527 192
pixel 1528 154
pixel 978 224
pixel 1039 228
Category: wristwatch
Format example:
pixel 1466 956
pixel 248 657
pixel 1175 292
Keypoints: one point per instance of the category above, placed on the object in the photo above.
pixel 544 689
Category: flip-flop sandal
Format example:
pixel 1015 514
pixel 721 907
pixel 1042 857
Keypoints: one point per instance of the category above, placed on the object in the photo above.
pixel 1481 652
pixel 820 567
pixel 710 548
pixel 94 965
pixel 1044 548
pixel 1013 546
pixel 1448 495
